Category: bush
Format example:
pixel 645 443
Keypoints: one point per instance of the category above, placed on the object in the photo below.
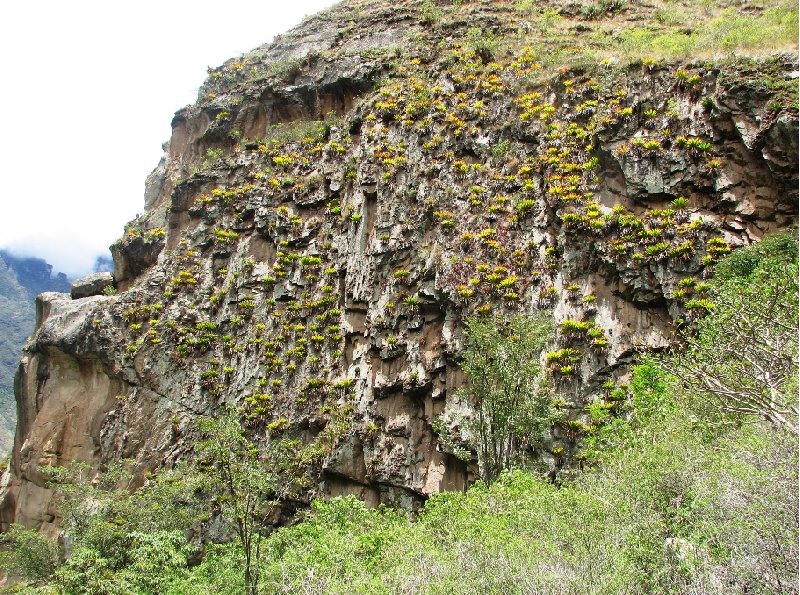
pixel 727 33
pixel 506 388
pixel 668 511
pixel 743 356
pixel 482 43
pixel 744 263
pixel 670 505
pixel 430 13
pixel 28 555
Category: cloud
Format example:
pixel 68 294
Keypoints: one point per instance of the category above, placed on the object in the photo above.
pixel 93 86
pixel 68 254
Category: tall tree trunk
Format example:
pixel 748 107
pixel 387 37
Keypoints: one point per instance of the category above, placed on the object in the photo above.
pixel 250 586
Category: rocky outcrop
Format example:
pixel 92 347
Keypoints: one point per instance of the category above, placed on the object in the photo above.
pixel 334 206
pixel 21 280
pixel 68 396
pixel 93 284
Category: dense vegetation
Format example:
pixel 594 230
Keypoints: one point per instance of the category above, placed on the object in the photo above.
pixel 684 493
pixel 506 388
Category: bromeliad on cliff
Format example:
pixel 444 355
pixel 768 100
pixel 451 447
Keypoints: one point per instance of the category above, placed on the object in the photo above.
pixel 336 204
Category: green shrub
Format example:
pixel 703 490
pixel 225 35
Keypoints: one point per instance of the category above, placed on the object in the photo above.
pixel 482 43
pixel 729 32
pixel 743 356
pixel 743 263
pixel 430 13
pixel 506 387
pixel 28 554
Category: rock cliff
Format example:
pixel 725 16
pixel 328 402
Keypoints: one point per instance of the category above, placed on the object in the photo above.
pixel 336 203
pixel 21 280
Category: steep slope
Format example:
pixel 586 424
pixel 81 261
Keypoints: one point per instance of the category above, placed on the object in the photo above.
pixel 337 202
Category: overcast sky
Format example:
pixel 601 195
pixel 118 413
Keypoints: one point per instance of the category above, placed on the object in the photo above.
pixel 87 95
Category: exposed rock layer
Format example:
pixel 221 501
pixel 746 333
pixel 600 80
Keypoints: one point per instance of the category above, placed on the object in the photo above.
pixel 294 266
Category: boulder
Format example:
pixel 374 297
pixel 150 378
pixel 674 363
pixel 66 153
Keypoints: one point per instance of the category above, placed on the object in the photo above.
pixel 93 284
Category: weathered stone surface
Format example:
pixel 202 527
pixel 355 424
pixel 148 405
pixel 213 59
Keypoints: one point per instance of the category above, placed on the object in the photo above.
pixel 295 267
pixel 91 285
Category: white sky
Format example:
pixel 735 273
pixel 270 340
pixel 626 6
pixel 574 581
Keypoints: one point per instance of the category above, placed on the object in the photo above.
pixel 87 92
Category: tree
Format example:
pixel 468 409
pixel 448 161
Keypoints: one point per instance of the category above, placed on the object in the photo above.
pixel 506 386
pixel 248 482
pixel 136 542
pixel 114 540
pixel 243 489
pixel 744 355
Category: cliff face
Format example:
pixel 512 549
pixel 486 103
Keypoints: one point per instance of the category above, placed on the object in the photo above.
pixel 336 203
pixel 21 279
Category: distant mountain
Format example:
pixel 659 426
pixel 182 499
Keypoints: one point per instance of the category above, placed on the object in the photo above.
pixel 21 280
pixel 103 264
pixel 35 274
